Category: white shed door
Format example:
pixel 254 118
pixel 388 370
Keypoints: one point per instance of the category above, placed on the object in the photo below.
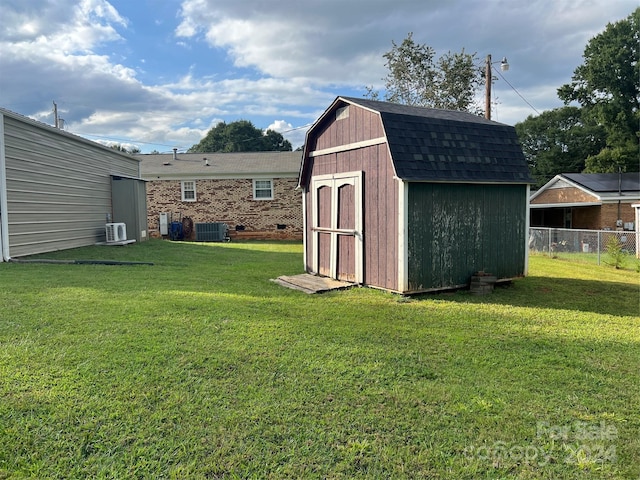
pixel 337 226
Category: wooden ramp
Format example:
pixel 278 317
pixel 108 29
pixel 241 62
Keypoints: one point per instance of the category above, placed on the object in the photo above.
pixel 308 283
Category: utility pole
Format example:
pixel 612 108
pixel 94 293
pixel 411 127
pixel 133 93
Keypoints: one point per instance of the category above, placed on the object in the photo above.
pixel 487 93
pixel 488 77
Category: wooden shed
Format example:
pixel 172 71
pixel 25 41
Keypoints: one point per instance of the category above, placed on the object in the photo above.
pixel 412 199
pixel 58 190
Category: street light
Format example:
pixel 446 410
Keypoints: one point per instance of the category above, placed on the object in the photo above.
pixel 504 66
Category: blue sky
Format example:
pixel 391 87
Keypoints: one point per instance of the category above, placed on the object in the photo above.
pixel 159 74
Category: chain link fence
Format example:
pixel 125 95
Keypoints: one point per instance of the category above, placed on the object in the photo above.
pixel 590 246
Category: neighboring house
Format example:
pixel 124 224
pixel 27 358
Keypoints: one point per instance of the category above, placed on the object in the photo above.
pixel 412 199
pixel 254 193
pixel 591 201
pixel 58 190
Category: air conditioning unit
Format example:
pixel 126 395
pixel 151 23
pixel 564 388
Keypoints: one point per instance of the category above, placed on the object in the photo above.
pixel 116 232
pixel 212 232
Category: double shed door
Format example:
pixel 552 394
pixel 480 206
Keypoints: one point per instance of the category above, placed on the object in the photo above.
pixel 337 239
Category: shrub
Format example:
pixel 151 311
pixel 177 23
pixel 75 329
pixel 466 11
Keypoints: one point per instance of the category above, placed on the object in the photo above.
pixel 615 252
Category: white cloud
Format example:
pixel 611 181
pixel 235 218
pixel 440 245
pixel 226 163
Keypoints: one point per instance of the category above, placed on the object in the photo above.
pixel 280 126
pixel 284 60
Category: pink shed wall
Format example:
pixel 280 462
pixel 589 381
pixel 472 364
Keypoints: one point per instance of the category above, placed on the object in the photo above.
pixel 380 189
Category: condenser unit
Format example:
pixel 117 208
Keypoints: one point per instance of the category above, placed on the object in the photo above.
pixel 116 232
pixel 212 232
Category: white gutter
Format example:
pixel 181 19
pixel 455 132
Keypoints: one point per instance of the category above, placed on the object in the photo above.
pixel 4 219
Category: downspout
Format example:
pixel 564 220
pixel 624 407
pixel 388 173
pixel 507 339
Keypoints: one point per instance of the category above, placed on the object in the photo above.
pixel 4 216
pixel 619 192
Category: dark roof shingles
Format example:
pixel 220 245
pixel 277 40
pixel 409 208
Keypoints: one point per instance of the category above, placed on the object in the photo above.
pixel 445 145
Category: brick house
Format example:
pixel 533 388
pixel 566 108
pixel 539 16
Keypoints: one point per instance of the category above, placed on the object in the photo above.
pixel 254 193
pixel 590 201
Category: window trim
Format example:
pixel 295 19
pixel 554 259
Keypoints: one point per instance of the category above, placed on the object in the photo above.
pixel 183 190
pixel 255 188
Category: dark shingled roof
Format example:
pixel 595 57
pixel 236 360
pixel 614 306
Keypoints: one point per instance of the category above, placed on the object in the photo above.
pixel 430 144
pixel 606 182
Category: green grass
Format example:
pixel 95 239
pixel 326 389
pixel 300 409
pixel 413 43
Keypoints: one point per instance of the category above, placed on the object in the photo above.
pixel 200 367
pixel 627 261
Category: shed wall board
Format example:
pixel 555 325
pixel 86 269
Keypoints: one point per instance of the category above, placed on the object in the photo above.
pixel 380 215
pixel 456 230
pixel 380 209
pixel 359 126
pixel 58 187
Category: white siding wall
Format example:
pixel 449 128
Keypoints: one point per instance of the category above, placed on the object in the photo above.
pixel 58 187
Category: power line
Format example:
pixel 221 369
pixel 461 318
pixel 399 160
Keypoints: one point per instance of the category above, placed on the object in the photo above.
pixel 514 89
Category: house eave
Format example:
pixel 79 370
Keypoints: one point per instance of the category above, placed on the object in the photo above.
pixel 565 205
pixel 462 181
pixel 219 176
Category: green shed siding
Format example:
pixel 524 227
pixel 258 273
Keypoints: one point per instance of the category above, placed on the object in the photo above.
pixel 456 230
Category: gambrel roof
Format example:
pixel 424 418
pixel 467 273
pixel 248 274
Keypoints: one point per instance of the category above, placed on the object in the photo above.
pixel 428 144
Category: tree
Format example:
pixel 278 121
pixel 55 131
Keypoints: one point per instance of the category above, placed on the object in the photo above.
pixel 416 77
pixel 558 141
pixel 241 136
pixel 607 87
pixel 613 160
pixel 122 148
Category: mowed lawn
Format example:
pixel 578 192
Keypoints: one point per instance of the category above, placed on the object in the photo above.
pixel 199 366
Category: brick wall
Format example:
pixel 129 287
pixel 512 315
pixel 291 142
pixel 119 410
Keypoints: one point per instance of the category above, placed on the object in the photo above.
pixel 563 195
pixel 609 214
pixel 587 218
pixel 231 202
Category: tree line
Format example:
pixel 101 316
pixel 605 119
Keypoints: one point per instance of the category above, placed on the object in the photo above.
pixel 596 130
pixel 599 134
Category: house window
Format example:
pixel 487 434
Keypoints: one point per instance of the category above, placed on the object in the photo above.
pixel 263 190
pixel 188 191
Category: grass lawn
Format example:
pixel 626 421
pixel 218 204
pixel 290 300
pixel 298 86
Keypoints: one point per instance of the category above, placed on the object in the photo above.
pixel 199 367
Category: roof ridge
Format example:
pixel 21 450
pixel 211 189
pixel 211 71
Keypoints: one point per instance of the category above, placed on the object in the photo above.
pixel 420 111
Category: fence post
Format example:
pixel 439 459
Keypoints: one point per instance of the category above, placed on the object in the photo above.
pixel 599 233
pixel 549 246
